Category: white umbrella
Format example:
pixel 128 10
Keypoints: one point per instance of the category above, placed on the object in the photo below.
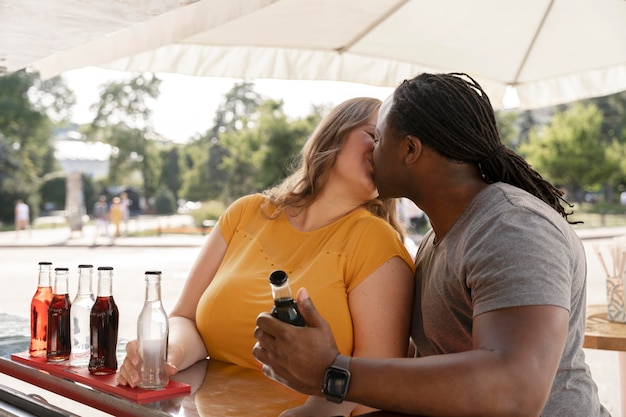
pixel 551 51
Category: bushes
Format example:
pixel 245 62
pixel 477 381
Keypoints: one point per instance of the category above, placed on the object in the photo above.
pixel 164 201
pixel 210 210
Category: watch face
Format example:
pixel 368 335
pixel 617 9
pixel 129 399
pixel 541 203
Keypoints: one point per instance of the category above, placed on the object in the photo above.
pixel 336 382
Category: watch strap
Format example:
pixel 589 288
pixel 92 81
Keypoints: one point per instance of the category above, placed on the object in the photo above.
pixel 341 364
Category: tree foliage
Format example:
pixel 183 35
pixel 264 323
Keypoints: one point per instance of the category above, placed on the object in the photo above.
pixel 124 120
pixel 28 108
pixel 568 151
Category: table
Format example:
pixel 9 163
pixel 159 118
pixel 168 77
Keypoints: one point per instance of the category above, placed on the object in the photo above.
pixel 223 390
pixel 217 390
pixel 600 333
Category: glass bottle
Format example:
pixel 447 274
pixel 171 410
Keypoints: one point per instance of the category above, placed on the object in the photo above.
pixel 79 317
pixel 59 343
pixel 103 324
pixel 152 336
pixel 285 307
pixel 39 312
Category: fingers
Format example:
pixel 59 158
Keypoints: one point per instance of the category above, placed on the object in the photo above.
pixel 171 369
pixel 308 310
pixel 259 353
pixel 128 374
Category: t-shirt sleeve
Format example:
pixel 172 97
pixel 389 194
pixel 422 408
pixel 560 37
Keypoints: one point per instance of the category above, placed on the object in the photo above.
pixel 529 263
pixel 373 242
pixel 232 216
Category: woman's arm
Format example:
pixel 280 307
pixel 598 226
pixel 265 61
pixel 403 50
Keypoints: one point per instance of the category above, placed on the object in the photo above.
pixel 380 307
pixel 185 345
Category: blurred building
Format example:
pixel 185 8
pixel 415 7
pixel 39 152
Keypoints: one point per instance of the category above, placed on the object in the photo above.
pixel 75 154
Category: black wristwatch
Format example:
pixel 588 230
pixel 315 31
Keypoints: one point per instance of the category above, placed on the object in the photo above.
pixel 337 379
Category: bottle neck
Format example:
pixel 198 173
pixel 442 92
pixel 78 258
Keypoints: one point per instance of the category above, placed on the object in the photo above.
pixel 281 292
pixel 153 287
pixel 60 282
pixel 84 280
pixel 105 283
pixel 45 272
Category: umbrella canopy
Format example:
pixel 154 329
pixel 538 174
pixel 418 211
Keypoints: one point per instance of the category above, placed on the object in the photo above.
pixel 550 51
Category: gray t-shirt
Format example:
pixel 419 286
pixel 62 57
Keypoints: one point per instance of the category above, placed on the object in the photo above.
pixel 507 249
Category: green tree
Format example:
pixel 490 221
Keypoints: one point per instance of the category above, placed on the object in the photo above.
pixel 568 151
pixel 204 175
pixel 507 126
pixel 284 140
pixel 28 109
pixel 242 163
pixel 124 120
pixel 171 171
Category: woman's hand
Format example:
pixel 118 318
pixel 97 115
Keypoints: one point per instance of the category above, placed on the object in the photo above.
pixel 129 371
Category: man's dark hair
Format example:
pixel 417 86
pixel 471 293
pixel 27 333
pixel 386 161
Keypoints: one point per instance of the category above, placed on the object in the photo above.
pixel 451 114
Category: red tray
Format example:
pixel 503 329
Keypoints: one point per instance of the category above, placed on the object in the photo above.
pixel 105 383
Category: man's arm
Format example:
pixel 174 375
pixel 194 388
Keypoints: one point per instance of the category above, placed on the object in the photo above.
pixel 510 371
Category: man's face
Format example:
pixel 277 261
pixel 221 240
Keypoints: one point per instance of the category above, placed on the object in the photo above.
pixel 386 155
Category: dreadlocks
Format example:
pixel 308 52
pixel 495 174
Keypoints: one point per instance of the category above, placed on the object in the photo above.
pixel 452 114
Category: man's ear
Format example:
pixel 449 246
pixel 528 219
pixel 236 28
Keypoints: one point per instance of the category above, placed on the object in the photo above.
pixel 413 148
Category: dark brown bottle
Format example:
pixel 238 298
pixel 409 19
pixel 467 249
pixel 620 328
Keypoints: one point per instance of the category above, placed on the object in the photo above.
pixel 59 343
pixel 285 307
pixel 103 326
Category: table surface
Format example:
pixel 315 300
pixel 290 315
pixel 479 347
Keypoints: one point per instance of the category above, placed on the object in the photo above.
pixel 223 390
pixel 217 390
pixel 601 333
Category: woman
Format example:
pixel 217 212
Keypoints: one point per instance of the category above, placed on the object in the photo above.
pixel 325 227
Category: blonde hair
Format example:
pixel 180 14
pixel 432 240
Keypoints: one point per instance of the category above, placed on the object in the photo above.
pixel 319 155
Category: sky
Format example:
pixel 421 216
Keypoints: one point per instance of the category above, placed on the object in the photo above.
pixel 187 104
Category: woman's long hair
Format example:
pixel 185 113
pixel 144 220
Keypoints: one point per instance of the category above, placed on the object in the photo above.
pixel 319 155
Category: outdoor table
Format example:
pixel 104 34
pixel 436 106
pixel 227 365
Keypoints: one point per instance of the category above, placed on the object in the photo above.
pixel 218 389
pixel 601 333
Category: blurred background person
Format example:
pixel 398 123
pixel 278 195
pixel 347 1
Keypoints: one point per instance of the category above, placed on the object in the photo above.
pixel 116 214
pixel 22 216
pixel 101 218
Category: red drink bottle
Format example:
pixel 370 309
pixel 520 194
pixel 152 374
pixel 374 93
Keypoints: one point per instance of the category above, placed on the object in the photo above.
pixel 59 342
pixel 103 324
pixel 39 312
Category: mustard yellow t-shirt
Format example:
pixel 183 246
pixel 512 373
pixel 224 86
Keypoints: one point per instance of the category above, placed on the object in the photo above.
pixel 329 262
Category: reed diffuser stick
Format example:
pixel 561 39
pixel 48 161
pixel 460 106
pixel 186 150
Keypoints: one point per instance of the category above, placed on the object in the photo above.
pixel 599 254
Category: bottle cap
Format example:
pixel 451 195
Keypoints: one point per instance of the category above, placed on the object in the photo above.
pixel 278 277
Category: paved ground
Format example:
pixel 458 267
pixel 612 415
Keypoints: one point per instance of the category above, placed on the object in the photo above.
pixel 174 254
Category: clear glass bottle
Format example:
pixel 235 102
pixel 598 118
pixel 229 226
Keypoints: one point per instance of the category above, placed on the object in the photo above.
pixel 103 325
pixel 59 342
pixel 152 336
pixel 79 317
pixel 39 312
pixel 285 307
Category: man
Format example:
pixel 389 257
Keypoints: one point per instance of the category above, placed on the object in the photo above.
pixel 499 307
